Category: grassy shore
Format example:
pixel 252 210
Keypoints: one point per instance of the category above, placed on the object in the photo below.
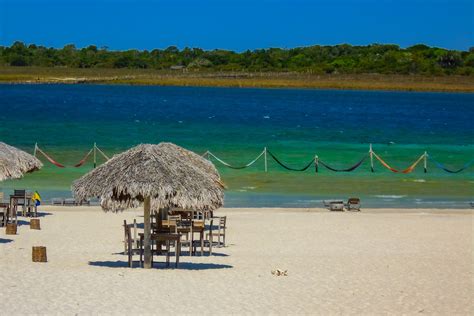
pixel 237 79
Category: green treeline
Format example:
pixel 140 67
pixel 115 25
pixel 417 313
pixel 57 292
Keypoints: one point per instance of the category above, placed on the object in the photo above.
pixel 345 59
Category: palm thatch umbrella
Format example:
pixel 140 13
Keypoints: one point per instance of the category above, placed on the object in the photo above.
pixel 14 163
pixel 164 175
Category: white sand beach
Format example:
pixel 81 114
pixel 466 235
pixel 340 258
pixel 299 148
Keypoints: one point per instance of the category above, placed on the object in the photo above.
pixel 372 262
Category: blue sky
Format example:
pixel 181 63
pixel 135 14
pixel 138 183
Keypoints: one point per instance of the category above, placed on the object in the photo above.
pixel 236 25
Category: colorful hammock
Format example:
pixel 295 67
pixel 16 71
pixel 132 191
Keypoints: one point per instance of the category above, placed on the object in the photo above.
pixel 407 170
pixel 83 160
pixel 51 160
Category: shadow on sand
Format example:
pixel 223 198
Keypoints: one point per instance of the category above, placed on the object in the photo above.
pixel 182 265
pixel 184 254
pixel 43 214
pixel 5 241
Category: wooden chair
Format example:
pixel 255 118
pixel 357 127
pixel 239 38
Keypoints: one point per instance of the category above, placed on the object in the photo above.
pixel 353 204
pixel 4 209
pixel 57 201
pixel 220 232
pixel 337 206
pixel 199 215
pixel 130 243
pixel 209 236
pixel 20 200
pixel 188 231
pixel 70 202
pixel 176 219
pixel 188 242
pixel 171 228
pixel 133 237
pixel 197 227
pixel 85 202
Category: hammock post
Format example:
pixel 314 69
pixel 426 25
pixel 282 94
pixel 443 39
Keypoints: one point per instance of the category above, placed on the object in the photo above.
pixel 266 165
pixel 425 164
pixel 316 163
pixel 95 155
pixel 371 158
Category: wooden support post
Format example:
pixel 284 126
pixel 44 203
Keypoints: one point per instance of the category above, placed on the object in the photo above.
pixel 147 235
pixel 36 148
pixel 371 153
pixel 135 232
pixel 266 164
pixel 425 163
pixel 95 155
pixel 316 163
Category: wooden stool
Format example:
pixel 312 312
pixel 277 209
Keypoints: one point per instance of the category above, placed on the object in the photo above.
pixel 39 254
pixel 35 223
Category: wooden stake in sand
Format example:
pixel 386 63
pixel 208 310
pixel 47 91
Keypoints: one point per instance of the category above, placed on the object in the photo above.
pixel 39 254
pixel 35 223
pixel 11 229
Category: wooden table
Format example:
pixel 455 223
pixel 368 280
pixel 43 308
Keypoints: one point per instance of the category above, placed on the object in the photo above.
pixel 159 238
pixel 186 229
pixel 27 204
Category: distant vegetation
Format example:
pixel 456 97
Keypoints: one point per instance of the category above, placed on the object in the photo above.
pixel 338 59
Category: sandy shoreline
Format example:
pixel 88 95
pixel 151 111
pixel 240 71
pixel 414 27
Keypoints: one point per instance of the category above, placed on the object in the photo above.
pixel 375 262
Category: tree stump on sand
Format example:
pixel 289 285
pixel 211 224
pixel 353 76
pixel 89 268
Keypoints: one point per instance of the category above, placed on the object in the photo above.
pixel 35 223
pixel 10 229
pixel 39 254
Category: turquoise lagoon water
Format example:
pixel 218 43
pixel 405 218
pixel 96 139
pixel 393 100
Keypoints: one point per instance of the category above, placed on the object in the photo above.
pixel 236 124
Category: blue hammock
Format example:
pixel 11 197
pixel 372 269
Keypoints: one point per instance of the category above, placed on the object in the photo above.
pixel 443 167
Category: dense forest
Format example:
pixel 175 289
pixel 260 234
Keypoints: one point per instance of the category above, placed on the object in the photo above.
pixel 343 59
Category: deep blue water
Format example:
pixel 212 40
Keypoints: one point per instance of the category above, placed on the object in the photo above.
pixel 237 123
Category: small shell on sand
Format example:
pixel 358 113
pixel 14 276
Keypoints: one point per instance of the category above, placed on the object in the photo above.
pixel 279 272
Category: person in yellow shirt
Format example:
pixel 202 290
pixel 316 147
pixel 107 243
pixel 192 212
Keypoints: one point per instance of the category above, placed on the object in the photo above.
pixel 36 198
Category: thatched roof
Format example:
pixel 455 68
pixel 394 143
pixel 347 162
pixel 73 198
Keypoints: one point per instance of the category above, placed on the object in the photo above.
pixel 14 163
pixel 172 176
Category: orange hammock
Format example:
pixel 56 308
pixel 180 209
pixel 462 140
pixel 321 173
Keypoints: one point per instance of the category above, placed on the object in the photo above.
pixel 83 160
pixel 407 170
pixel 51 160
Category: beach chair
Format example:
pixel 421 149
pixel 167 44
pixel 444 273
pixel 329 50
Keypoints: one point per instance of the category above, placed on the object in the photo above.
pixel 85 202
pixel 209 237
pixel 174 221
pixel 57 201
pixel 337 206
pixel 70 202
pixel 353 204
pixel 130 241
pixel 327 203
pixel 134 236
pixel 20 200
pixel 188 242
pixel 219 232
pixel 4 208
pixel 158 243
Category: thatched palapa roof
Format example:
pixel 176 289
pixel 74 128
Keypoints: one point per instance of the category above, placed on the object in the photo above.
pixel 172 176
pixel 14 163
